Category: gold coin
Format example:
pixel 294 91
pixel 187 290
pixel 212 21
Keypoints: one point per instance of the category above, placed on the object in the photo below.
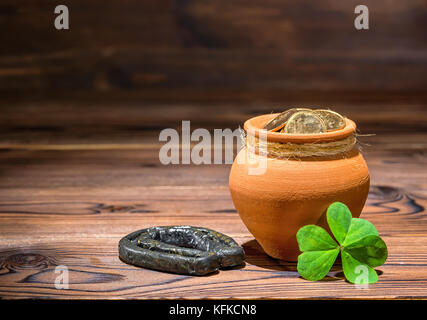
pixel 305 122
pixel 279 121
pixel 332 119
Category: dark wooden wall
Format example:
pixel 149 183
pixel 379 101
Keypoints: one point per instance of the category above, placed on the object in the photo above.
pixel 211 50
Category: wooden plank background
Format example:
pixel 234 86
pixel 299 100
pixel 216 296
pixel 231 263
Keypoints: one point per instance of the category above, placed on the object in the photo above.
pixel 212 50
pixel 81 112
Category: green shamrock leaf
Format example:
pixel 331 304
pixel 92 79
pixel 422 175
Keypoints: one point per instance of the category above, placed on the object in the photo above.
pixel 359 228
pixel 314 238
pixel 360 246
pixel 370 250
pixel 319 252
pixel 354 270
pixel 314 265
pixel 339 220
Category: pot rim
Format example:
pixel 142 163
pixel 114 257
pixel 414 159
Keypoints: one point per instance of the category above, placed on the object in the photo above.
pixel 254 125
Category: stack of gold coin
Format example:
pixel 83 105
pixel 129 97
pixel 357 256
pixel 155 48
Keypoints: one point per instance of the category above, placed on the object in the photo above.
pixel 306 121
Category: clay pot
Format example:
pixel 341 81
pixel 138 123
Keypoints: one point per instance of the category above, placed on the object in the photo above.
pixel 294 192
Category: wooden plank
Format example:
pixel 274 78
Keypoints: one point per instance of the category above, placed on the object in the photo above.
pixel 189 47
pixel 71 204
pixel 71 208
pixel 394 119
pixel 87 244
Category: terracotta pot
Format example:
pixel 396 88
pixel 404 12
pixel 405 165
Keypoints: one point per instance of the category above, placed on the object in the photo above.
pixel 295 192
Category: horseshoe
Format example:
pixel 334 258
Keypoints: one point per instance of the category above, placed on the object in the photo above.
pixel 180 249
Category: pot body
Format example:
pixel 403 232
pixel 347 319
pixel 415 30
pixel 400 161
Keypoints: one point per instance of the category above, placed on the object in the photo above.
pixel 292 193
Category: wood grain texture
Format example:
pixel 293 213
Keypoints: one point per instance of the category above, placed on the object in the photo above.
pixel 71 207
pixel 81 112
pixel 188 49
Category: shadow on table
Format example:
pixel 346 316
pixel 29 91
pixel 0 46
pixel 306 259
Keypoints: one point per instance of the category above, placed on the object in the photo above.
pixel 255 255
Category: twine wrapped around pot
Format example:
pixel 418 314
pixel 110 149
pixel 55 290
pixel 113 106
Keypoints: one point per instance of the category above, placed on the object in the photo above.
pixel 300 150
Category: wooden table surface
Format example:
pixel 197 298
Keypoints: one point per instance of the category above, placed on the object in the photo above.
pixel 76 177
